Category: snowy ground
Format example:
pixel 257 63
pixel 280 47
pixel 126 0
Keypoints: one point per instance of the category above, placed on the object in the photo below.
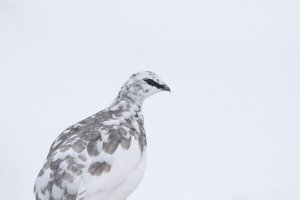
pixel 228 131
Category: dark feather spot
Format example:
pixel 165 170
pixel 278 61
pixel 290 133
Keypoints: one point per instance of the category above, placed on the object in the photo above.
pixel 98 168
pixel 92 148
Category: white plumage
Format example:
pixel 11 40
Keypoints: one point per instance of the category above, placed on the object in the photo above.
pixel 102 157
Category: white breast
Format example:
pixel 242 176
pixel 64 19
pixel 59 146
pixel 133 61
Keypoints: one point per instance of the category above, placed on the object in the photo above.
pixel 127 170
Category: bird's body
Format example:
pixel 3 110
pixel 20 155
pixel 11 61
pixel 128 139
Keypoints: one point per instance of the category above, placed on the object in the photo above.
pixel 102 157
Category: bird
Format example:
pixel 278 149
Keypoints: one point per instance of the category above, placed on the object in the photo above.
pixel 102 157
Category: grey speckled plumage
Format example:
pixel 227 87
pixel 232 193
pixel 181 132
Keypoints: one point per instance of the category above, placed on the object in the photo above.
pixel 103 156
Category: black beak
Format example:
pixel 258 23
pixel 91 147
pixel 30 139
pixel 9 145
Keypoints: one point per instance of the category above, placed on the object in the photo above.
pixel 166 88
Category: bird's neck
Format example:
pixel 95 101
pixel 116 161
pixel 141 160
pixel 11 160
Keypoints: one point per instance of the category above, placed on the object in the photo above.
pixel 124 103
pixel 128 100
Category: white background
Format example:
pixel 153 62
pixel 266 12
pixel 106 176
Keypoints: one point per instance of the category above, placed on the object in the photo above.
pixel 228 131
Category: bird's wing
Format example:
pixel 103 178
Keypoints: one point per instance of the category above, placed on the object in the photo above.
pixel 61 174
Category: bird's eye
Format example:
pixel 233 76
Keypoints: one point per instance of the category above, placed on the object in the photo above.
pixel 153 83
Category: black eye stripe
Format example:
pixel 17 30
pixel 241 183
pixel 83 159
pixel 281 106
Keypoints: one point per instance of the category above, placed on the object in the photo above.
pixel 153 83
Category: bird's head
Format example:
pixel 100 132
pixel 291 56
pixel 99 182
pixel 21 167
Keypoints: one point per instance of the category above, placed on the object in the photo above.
pixel 142 85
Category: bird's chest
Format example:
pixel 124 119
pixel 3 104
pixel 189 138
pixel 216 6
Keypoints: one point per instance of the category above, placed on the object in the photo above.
pixel 130 182
pixel 126 172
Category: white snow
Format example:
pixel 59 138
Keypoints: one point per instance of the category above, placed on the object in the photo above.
pixel 229 130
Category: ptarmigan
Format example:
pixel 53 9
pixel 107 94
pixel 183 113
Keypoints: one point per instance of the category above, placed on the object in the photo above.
pixel 102 157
